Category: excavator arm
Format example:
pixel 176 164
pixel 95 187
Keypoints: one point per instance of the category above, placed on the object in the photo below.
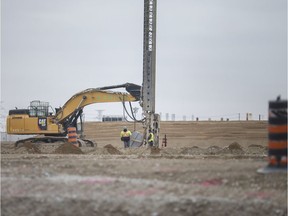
pixel 97 95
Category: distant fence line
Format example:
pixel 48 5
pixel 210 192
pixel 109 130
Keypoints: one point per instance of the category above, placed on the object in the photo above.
pixel 227 117
pixel 174 117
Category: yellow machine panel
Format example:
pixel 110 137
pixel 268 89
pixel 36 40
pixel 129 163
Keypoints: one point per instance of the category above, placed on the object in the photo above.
pixel 25 124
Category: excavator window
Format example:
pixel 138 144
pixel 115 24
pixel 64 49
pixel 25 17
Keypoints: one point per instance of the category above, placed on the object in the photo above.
pixel 39 108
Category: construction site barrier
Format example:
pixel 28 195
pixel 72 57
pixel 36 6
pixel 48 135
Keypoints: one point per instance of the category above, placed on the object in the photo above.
pixel 277 134
pixel 164 141
pixel 72 136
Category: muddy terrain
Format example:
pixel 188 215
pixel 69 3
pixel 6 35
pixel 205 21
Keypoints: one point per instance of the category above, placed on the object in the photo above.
pixel 207 168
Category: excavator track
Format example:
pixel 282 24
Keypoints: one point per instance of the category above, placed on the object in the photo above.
pixel 53 139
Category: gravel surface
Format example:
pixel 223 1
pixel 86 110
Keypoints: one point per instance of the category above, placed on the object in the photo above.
pixel 188 179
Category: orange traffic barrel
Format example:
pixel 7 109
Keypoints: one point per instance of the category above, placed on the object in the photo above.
pixel 277 134
pixel 72 136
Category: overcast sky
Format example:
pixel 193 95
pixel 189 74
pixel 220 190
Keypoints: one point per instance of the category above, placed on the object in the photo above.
pixel 214 57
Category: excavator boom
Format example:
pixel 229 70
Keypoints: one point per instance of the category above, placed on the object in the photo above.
pixel 90 96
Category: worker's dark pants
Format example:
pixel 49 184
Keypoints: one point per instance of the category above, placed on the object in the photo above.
pixel 151 143
pixel 126 144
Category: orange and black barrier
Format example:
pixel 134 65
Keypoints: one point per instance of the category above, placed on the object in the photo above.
pixel 72 136
pixel 277 134
pixel 164 141
pixel 277 130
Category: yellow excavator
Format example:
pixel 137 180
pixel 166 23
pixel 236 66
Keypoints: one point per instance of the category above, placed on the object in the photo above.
pixel 52 127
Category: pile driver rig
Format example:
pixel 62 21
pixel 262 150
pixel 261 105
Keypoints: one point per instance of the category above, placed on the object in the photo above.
pixel 151 119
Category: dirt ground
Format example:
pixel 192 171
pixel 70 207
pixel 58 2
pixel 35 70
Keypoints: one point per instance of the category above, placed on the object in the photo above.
pixel 208 168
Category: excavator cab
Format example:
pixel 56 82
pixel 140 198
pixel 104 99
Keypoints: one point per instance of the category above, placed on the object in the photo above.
pixel 39 108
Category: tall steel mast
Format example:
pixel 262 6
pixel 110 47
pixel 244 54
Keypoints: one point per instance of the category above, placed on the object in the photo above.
pixel 149 69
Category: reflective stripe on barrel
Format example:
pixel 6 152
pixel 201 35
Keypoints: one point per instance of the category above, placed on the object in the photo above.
pixel 277 130
pixel 72 135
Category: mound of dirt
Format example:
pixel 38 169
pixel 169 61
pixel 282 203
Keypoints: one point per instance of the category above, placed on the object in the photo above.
pixel 213 150
pixel 234 148
pixel 112 150
pixel 67 148
pixel 28 147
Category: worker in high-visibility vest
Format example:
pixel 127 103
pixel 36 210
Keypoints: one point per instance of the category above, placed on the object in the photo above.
pixel 150 138
pixel 125 137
